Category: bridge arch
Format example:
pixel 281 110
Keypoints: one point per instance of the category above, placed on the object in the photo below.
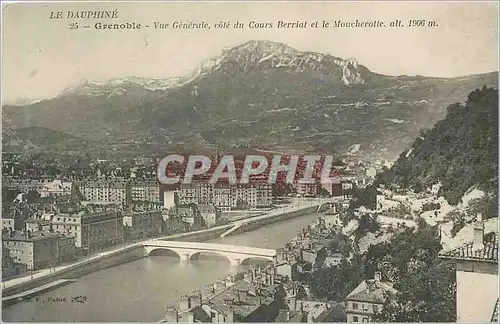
pixel 259 259
pixel 196 254
pixel 161 251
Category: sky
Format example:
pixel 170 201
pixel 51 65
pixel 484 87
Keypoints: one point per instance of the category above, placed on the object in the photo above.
pixel 42 57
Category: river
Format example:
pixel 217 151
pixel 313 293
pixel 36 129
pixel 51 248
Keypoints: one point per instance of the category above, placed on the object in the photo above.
pixel 139 291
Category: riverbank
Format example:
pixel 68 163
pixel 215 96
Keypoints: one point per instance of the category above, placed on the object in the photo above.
pixel 12 299
pixel 130 253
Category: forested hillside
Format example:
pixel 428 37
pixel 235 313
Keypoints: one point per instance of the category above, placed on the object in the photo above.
pixel 460 151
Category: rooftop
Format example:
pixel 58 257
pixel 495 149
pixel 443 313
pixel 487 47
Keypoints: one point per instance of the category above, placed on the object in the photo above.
pixel 39 236
pixel 489 253
pixel 376 294
pixel 292 316
pixel 242 299
pixel 144 183
pixel 38 220
pixel 334 314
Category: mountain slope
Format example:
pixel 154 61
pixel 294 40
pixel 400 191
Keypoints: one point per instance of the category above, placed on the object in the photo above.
pixel 461 151
pixel 40 138
pixel 262 95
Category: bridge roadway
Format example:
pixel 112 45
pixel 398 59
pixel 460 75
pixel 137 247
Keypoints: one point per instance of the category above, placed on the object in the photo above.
pixel 298 205
pixel 234 253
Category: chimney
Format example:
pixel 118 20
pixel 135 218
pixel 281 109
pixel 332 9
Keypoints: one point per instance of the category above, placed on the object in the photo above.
pixel 184 303
pixel 370 283
pixel 477 242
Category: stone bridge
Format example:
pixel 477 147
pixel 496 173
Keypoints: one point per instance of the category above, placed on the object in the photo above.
pixel 186 250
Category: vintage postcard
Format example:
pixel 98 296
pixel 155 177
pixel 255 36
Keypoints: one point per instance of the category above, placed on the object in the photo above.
pixel 250 161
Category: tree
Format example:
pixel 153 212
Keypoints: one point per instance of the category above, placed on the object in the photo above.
pixel 32 196
pixel 279 297
pixel 176 199
pixel 428 296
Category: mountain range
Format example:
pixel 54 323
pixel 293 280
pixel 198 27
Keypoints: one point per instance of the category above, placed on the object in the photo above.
pixel 261 94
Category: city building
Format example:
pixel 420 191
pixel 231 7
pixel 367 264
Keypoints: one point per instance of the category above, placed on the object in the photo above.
pixel 145 191
pixel 284 269
pixel 92 229
pixel 347 188
pixel 118 191
pixel 367 299
pixel 23 185
pixel 172 223
pixel 7 260
pixel 264 195
pixel 245 196
pixel 334 189
pixel 37 225
pixel 169 199
pixel 206 193
pixel 188 194
pixel 8 223
pixel 16 217
pixel 334 314
pixel 331 218
pixel 308 255
pixel 95 190
pixel 105 191
pixel 477 276
pixel 40 250
pixel 334 259
pixel 306 189
pixel 224 196
pixel 56 188
pixel 139 224
pixel 243 302
pixel 210 214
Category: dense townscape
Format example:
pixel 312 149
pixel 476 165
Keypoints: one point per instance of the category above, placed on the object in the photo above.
pixel 65 216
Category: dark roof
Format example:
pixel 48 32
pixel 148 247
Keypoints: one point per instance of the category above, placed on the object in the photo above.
pixel 489 253
pixel 334 314
pixel 205 208
pixel 200 315
pixel 293 316
pixel 21 237
pixel 144 183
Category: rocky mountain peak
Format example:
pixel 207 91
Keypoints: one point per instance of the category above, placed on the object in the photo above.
pixel 263 47
pixel 252 55
pixel 261 54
